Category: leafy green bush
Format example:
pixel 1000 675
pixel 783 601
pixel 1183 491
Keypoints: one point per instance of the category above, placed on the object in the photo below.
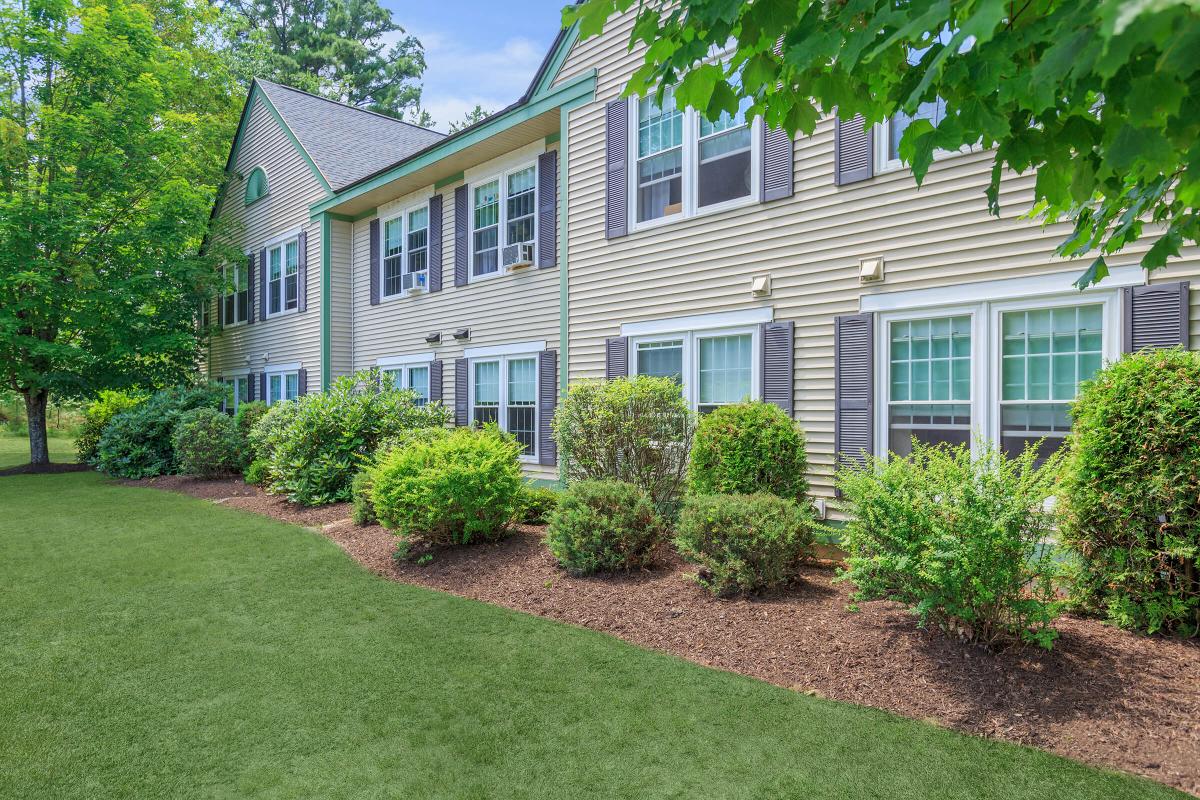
pixel 362 510
pixel 603 526
pixel 743 542
pixel 962 541
pixel 457 489
pixel 139 442
pixel 256 472
pixel 636 430
pixel 747 448
pixel 538 503
pixel 97 415
pixel 207 443
pixel 247 416
pixel 328 437
pixel 1132 492
pixel 268 433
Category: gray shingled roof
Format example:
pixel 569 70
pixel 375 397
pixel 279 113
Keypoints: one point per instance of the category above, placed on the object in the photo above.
pixel 347 143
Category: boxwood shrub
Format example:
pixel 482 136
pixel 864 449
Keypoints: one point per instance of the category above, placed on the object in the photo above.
pixel 139 443
pixel 208 443
pixel 603 526
pixel 743 543
pixel 1132 492
pixel 538 503
pixel 96 415
pixel 747 448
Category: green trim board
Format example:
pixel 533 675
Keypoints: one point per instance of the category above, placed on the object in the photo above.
pixel 556 61
pixel 449 179
pixel 256 92
pixel 554 137
pixel 582 86
pixel 326 301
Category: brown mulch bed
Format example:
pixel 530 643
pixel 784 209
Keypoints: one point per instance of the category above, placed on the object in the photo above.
pixel 43 469
pixel 1104 696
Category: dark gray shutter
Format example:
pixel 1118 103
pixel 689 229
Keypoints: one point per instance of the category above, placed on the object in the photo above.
pixel 777 156
pixel 221 303
pixel 301 382
pixel 1155 316
pixel 460 236
pixel 853 387
pixel 302 274
pixel 616 166
pixel 373 232
pixel 853 151
pixel 435 243
pixel 616 357
pixel 547 234
pixel 435 381
pixel 262 274
pixel 262 386
pixel 547 403
pixel 251 381
pixel 461 395
pixel 250 288
pixel 777 363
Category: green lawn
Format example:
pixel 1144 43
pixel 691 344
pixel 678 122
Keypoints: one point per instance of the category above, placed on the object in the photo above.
pixel 14 450
pixel 152 645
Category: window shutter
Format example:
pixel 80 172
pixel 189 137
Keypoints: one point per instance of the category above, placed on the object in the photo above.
pixel 616 357
pixel 853 151
pixel 262 386
pixel 301 382
pixel 1155 316
pixel 616 166
pixel 547 403
pixel 302 274
pixel 547 224
pixel 777 154
pixel 221 303
pixel 374 249
pixel 250 288
pixel 853 387
pixel 435 381
pixel 435 243
pixel 460 236
pixel 251 380
pixel 225 401
pixel 461 392
pixel 262 273
pixel 777 361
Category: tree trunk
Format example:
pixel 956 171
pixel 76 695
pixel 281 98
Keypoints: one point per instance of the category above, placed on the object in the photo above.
pixel 35 412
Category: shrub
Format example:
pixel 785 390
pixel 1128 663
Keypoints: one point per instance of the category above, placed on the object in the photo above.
pixel 247 416
pixel 743 542
pixel 139 442
pixel 207 443
pixel 330 435
pixel 256 472
pixel 637 430
pixel 97 415
pixel 1131 489
pixel 362 511
pixel 457 489
pixel 747 448
pixel 538 503
pixel 962 541
pixel 268 433
pixel 603 526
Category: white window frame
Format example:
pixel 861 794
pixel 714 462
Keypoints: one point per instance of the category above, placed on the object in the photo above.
pixel 691 169
pixel 986 344
pixel 280 244
pixel 884 164
pixel 235 269
pixel 282 371
pixel 233 380
pixel 404 365
pixel 402 215
pixel 501 178
pixel 503 358
pixel 691 356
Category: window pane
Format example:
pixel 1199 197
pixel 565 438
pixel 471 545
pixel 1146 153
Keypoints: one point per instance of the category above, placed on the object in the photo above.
pixel 935 112
pixel 725 364
pixel 291 260
pixel 393 378
pixel 930 359
pixel 660 158
pixel 418 241
pixel 393 255
pixel 723 172
pixel 486 226
pixel 522 401
pixel 1022 424
pixel 487 383
pixel 275 391
pixel 418 381
pixel 659 128
pixel 291 291
pixel 931 423
pixel 520 201
pixel 275 256
pixel 1047 353
pixel 663 359
pixel 292 382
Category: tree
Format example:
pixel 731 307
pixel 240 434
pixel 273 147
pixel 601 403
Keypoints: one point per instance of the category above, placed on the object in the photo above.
pixel 1101 100
pixel 114 124
pixel 334 48
pixel 476 114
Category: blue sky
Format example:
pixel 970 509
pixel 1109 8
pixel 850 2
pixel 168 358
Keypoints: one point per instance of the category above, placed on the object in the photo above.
pixel 478 51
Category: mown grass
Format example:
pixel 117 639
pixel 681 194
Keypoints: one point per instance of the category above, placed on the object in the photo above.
pixel 153 645
pixel 14 450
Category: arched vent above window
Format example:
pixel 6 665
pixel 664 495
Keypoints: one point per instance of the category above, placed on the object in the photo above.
pixel 256 185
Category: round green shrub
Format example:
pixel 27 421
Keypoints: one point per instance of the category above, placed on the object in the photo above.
pixel 1131 492
pixel 460 488
pixel 256 472
pixel 747 448
pixel 247 416
pixel 538 503
pixel 268 432
pixel 743 542
pixel 603 526
pixel 139 443
pixel 97 415
pixel 362 510
pixel 208 443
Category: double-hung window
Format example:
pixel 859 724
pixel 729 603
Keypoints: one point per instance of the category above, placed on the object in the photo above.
pixel 283 282
pixel 239 392
pixel 414 377
pixel 405 249
pixel 236 296
pixel 504 391
pixel 713 368
pixel 282 386
pixel 503 213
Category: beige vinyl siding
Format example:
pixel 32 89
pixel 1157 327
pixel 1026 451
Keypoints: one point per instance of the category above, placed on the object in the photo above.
pixel 507 309
pixel 341 318
pixel 292 187
pixel 810 244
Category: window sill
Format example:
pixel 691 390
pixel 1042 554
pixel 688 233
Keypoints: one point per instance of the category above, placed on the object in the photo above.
pixel 288 313
pixel 706 211
pixel 232 325
pixel 896 165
